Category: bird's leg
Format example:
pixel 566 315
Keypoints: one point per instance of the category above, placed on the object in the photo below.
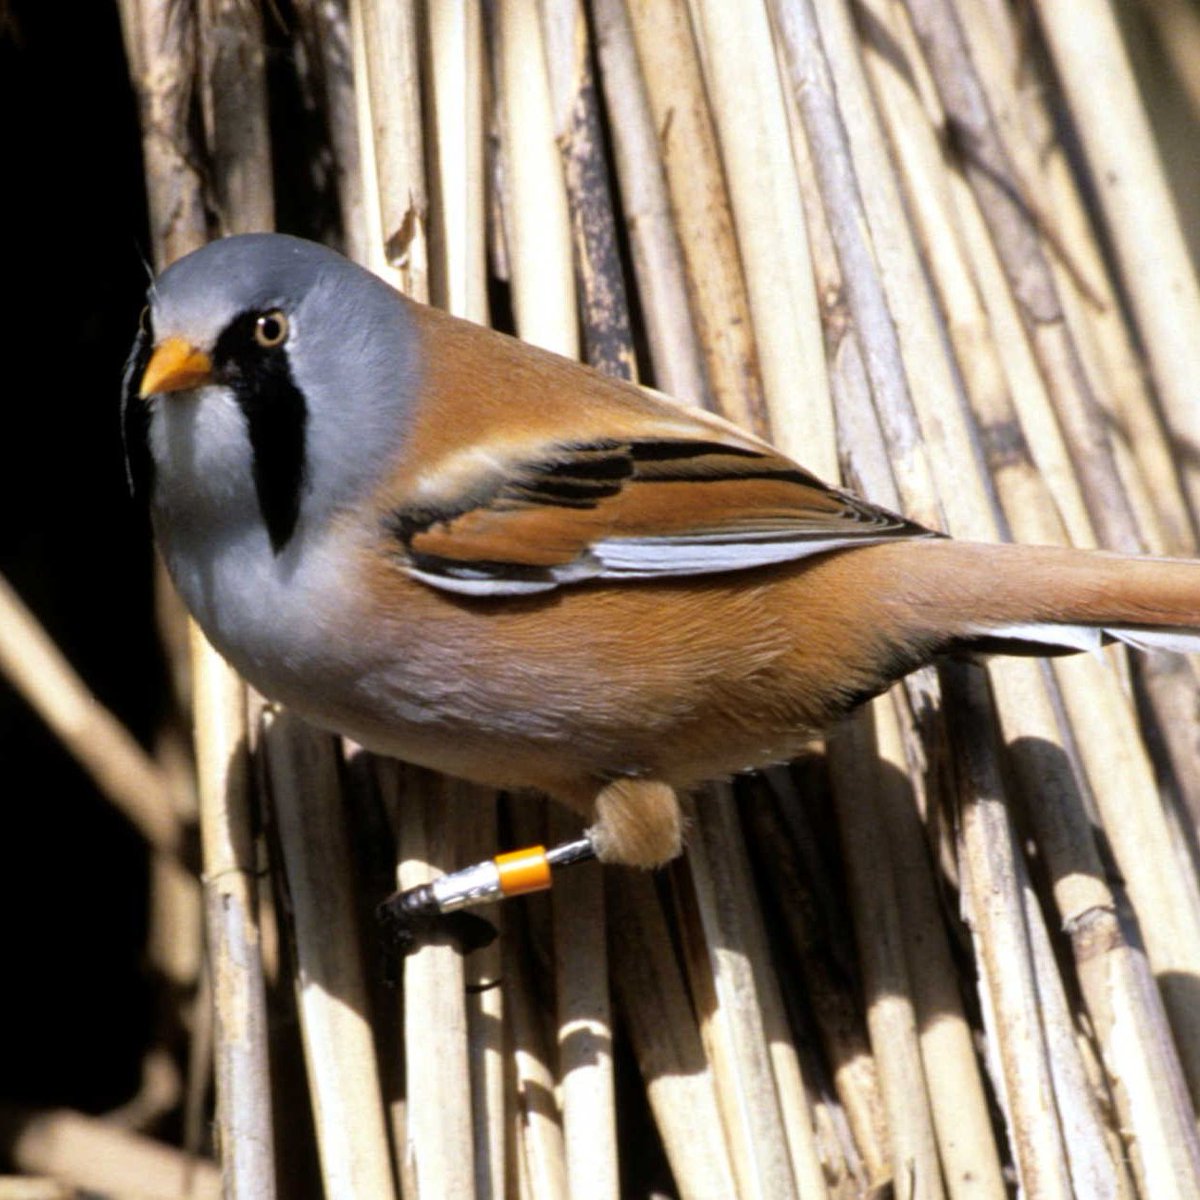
pixel 638 823
pixel 434 912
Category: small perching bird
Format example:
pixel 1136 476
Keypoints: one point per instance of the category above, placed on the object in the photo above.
pixel 474 555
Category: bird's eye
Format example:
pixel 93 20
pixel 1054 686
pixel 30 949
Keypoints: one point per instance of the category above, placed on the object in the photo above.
pixel 271 329
pixel 144 320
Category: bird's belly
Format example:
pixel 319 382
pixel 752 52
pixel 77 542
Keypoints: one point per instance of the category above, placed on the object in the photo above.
pixel 559 693
pixel 676 682
pixel 549 743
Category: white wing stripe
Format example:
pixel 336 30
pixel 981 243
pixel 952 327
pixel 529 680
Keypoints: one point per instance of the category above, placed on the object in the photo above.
pixel 1091 637
pixel 636 557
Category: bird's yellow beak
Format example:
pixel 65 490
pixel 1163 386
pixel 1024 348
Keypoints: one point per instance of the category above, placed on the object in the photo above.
pixel 173 366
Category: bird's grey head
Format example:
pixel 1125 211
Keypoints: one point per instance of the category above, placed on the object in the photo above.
pixel 268 386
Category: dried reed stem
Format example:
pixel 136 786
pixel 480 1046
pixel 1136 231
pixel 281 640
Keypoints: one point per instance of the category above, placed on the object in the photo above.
pixel 997 187
pixel 99 742
pixel 160 43
pixel 608 342
pixel 891 1012
pixel 984 378
pixel 687 148
pixel 316 873
pixel 661 1021
pixel 329 39
pixel 454 89
pixel 456 183
pixel 958 1104
pixel 231 909
pixel 13 1187
pixel 726 961
pixel 98 1157
pixel 1012 1010
pixel 233 98
pixel 536 214
pixel 1095 1169
pixel 746 102
pixel 1157 272
pixel 438 1152
pixel 828 142
pixel 584 1019
pixel 389 40
pixel 538 1166
pixel 657 256
pixel 232 88
pixel 486 1043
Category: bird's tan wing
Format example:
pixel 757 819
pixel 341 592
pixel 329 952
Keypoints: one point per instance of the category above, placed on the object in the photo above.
pixel 535 473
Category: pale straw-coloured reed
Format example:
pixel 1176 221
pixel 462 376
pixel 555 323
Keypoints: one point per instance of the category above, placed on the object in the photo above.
pixel 927 247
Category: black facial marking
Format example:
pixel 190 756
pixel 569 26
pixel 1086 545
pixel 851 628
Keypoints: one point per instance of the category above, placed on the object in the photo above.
pixel 261 380
pixel 135 416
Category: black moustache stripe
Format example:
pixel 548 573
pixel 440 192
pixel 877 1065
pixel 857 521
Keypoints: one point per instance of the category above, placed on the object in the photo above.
pixel 276 416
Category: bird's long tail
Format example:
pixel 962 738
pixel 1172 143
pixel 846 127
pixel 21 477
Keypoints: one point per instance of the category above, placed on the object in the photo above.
pixel 1042 599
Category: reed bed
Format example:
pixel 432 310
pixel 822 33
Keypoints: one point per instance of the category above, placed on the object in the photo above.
pixel 928 248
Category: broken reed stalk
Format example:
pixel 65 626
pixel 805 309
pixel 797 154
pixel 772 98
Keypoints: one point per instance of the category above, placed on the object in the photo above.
pixel 123 772
pixel 390 91
pixel 160 41
pixel 926 271
pixel 100 1158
